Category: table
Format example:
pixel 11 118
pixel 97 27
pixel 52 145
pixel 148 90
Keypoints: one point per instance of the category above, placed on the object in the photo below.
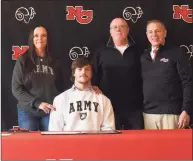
pixel 130 144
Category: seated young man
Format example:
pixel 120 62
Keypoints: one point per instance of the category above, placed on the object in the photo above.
pixel 80 108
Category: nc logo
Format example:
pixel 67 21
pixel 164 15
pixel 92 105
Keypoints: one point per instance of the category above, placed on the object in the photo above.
pixel 132 14
pixel 82 16
pixel 76 51
pixel 189 50
pixel 23 14
pixel 18 51
pixel 183 12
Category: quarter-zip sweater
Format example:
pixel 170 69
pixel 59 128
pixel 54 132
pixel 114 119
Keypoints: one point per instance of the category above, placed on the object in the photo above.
pixel 118 76
pixel 167 81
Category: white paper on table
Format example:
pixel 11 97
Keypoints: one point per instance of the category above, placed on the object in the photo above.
pixel 79 132
pixel 60 132
pixel 6 134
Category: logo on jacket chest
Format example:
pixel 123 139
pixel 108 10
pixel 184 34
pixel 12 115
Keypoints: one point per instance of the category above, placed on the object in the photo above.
pixel 164 60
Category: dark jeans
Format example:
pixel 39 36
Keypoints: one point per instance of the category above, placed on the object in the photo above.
pixel 128 120
pixel 34 123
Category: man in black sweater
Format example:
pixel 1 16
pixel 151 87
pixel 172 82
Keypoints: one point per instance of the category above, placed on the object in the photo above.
pixel 167 82
pixel 117 74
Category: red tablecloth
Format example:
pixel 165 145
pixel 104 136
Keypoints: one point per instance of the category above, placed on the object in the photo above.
pixel 142 144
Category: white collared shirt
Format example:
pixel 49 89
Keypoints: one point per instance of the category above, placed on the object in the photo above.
pixel 152 54
pixel 75 88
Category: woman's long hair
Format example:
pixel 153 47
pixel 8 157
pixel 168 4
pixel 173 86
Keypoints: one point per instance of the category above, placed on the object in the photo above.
pixel 31 50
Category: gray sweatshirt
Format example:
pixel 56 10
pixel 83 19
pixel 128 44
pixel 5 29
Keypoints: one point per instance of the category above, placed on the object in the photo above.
pixel 36 82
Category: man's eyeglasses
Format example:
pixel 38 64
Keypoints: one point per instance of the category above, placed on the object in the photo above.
pixel 116 27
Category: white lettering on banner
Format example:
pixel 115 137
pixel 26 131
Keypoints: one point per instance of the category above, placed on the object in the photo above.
pixel 133 14
pixel 189 50
pixel 23 14
pixel 76 51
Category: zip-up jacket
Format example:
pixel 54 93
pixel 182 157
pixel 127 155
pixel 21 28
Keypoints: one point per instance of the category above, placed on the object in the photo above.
pixel 119 76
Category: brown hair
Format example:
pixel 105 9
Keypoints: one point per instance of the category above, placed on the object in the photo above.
pixel 79 63
pixel 31 50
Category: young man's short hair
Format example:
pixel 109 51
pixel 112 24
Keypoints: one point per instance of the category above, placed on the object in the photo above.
pixel 79 63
